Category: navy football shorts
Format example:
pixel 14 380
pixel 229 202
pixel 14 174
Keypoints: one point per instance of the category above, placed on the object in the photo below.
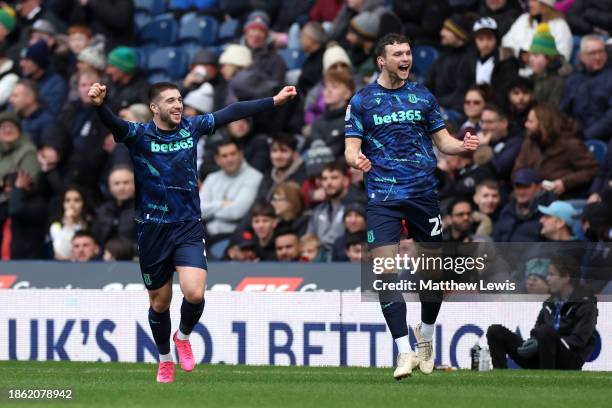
pixel 421 214
pixel 163 247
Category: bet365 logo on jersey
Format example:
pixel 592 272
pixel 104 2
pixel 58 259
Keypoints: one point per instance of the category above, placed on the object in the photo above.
pixel 171 147
pixel 399 116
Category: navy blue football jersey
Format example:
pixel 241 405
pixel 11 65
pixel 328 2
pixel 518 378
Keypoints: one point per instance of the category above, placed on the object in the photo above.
pixel 395 126
pixel 165 169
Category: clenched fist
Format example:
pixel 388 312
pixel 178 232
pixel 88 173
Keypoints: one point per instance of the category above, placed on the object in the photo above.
pixel 96 94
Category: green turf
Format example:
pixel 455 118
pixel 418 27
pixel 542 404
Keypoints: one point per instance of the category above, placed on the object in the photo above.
pixel 133 385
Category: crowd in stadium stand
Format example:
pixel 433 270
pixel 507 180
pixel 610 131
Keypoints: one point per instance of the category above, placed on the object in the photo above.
pixel 531 78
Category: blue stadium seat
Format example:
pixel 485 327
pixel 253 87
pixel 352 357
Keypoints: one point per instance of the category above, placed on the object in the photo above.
pixel 423 57
pixel 217 250
pixel 191 49
pixel 168 61
pixel 198 29
pixel 180 4
pixel 161 31
pixel 229 31
pixel 142 54
pixel 293 58
pixel 141 20
pixel 204 4
pixel 152 7
pixel 599 149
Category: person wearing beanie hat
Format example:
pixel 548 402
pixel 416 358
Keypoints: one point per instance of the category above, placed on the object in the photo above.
pixel 335 54
pixel 536 271
pixel 361 36
pixel 7 24
pixel 126 86
pixel 521 34
pixel 93 57
pixel 456 30
pixel 138 112
pixel 266 60
pixel 234 58
pixel 205 68
pixel 317 157
pixel 124 59
pixel 312 40
pixel 549 69
pixel 199 101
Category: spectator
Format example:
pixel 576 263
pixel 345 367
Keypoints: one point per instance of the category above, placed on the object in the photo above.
pixel 112 18
pixel 16 150
pixel 263 223
pixel 473 105
pixel 520 100
pixel 199 100
pixel 354 223
pixel 59 52
pixel 311 250
pixel 317 157
pixel 115 217
pixel 422 20
pixel 312 41
pixel 442 79
pixel 325 10
pixel 521 34
pixel 52 88
pixel 354 246
pixel 205 68
pixel 482 64
pixel 265 57
pixel 361 37
pixel 79 38
pixel 590 16
pixel 75 216
pixel 504 138
pixel 254 145
pixel 84 247
pixel 350 9
pixel 8 75
pixel 597 226
pixel 519 218
pixel 22 218
pixel 242 247
pixel 552 149
pixel 461 225
pixel 91 58
pixel 326 219
pixel 603 181
pixel 287 165
pixel 536 272
pixel 548 67
pixel 287 244
pixel 564 333
pixel 118 249
pixel 587 92
pixel 126 86
pixel 28 12
pixel 288 207
pixel 25 103
pixel 504 12
pixel 557 221
pixel 487 198
pixel 228 193
pixel 7 24
pixel 337 92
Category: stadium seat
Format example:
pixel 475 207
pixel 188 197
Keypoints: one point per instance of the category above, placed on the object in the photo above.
pixel 229 31
pixel 293 58
pixel 599 149
pixel 141 20
pixel 198 29
pixel 152 7
pixel 142 57
pixel 218 249
pixel 423 57
pixel 161 31
pixel 179 4
pixel 169 61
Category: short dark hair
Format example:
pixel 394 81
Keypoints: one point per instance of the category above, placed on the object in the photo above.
pixel 285 231
pixel 85 233
pixel 488 183
pixel 390 39
pixel 567 265
pixel 455 202
pixel 120 248
pixel 262 209
pixel 285 139
pixel 159 87
pixel 31 86
pixel 355 238
pixel 226 141
pixel 337 165
pixel 494 108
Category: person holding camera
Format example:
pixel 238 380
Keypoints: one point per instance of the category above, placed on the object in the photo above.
pixel 564 334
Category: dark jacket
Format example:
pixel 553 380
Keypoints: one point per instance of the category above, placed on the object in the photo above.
pixel 113 18
pixel 312 71
pixel 112 221
pixel 463 182
pixel 53 91
pixel 330 129
pixel 122 96
pixel 297 174
pixel 549 85
pixel 513 226
pixel 567 159
pixel 505 151
pixel 587 98
pixel 578 320
pixel 586 15
pixel 36 124
pixel 28 213
pixel 442 79
pixel 504 17
pixel 267 60
pixel 422 19
pixel 603 179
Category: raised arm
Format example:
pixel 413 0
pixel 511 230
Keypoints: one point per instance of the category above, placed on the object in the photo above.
pixel 118 127
pixel 240 110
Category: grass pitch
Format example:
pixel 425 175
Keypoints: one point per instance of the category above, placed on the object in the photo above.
pixel 121 385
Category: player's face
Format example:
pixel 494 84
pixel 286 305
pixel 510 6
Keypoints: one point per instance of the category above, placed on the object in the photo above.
pixel 487 199
pixel 520 98
pixel 333 183
pixel 397 60
pixel 121 185
pixel 229 158
pixel 354 222
pixel 281 156
pixel 486 42
pixel 353 253
pixel 287 248
pixel 84 249
pixel 73 204
pixel 170 107
pixel 594 56
pixel 263 226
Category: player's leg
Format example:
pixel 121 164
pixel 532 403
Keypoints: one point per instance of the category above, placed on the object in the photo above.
pixel 425 226
pixel 384 231
pixel 191 265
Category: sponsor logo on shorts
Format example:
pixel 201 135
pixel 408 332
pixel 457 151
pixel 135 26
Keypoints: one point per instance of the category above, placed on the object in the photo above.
pixel 370 236
pixel 147 278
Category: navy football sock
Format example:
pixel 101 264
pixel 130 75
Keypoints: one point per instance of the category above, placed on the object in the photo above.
pixel 429 311
pixel 190 315
pixel 395 315
pixel 160 327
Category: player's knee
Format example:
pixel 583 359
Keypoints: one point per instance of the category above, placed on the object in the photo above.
pixel 494 331
pixel 194 295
